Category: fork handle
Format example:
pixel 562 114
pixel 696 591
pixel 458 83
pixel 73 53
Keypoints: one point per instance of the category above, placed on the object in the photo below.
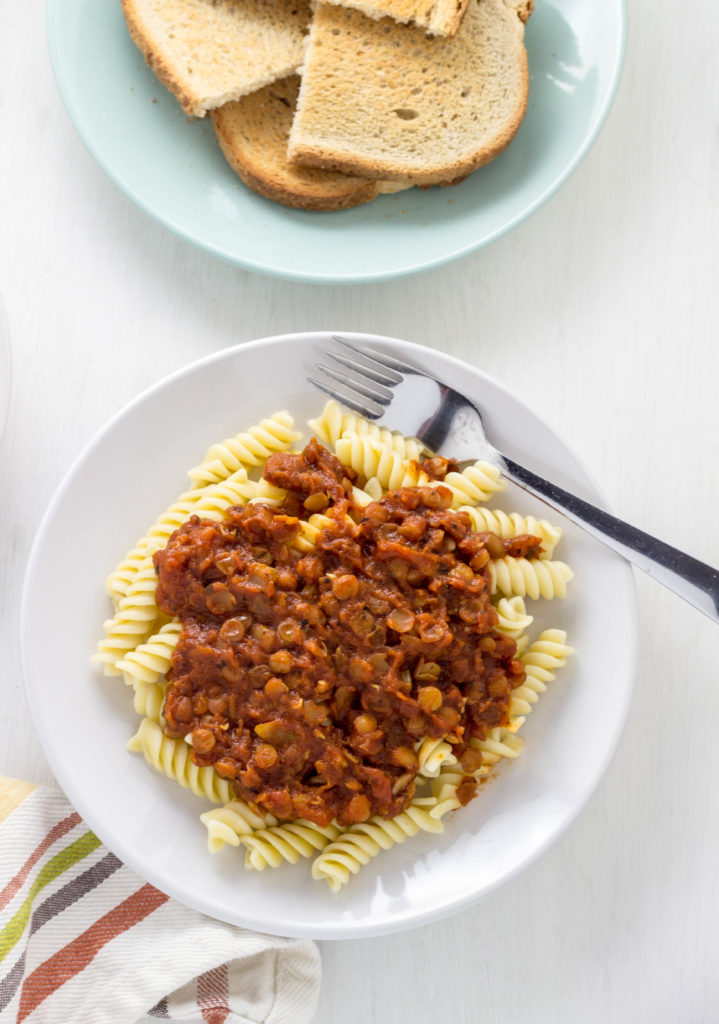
pixel 691 579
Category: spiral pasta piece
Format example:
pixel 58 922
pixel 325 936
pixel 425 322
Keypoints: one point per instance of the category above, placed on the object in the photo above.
pixel 334 422
pixel 525 577
pixel 512 524
pixel 476 483
pixel 249 448
pixel 172 758
pixel 285 843
pixel 356 846
pixel 522 643
pixel 373 488
pixel 151 661
pixel 210 502
pixel 329 425
pixel 513 618
pixel 360 497
pixel 498 743
pixel 368 458
pixel 403 447
pixel 372 491
pixel 226 824
pixel 148 700
pixel 433 754
pixel 267 494
pixel 444 791
pixel 548 653
pixel 309 529
pixel 541 661
pixel 136 616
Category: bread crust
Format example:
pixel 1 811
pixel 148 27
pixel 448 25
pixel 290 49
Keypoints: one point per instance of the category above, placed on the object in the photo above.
pixel 252 134
pixel 268 185
pixel 189 101
pixel 524 8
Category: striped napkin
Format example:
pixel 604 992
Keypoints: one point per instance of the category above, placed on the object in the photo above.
pixel 83 940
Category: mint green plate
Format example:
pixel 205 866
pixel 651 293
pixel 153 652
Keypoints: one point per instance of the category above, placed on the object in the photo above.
pixel 173 168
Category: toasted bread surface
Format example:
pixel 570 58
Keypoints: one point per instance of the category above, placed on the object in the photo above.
pixel 253 134
pixel 208 52
pixel 437 17
pixel 387 101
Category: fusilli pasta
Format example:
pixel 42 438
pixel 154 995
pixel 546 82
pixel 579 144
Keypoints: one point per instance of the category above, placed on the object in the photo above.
pixel 334 423
pixel 285 842
pixel 433 754
pixel 249 448
pixel 309 528
pixel 226 824
pixel 148 700
pixel 500 742
pixel 267 494
pixel 368 458
pixel 172 758
pixel 476 483
pixel 510 525
pixel 357 845
pixel 525 577
pixel 513 617
pixel 150 661
pixel 541 661
pixel 444 791
pixel 372 491
pixel 136 616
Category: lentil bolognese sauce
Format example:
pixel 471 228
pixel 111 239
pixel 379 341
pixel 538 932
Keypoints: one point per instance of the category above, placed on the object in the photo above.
pixel 306 679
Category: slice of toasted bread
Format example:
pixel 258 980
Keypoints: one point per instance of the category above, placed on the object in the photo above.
pixel 437 17
pixel 208 52
pixel 384 100
pixel 253 134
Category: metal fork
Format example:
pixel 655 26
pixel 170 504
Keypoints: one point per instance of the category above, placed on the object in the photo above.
pixel 393 393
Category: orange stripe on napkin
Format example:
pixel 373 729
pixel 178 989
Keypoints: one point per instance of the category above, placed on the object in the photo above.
pixel 59 830
pixel 76 955
pixel 213 992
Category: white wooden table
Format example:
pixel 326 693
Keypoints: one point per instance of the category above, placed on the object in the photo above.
pixel 602 312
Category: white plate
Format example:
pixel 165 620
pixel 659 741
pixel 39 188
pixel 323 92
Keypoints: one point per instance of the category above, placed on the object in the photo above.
pixel 5 367
pixel 129 474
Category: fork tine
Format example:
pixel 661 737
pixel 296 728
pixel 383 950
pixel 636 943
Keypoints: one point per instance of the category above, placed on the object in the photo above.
pixel 362 385
pixel 370 410
pixel 381 359
pixel 378 376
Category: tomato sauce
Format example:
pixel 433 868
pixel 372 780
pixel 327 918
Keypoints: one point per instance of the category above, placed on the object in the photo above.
pixel 308 679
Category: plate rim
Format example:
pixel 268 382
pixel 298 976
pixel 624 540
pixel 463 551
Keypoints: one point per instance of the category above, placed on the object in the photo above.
pixel 297 274
pixel 338 928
